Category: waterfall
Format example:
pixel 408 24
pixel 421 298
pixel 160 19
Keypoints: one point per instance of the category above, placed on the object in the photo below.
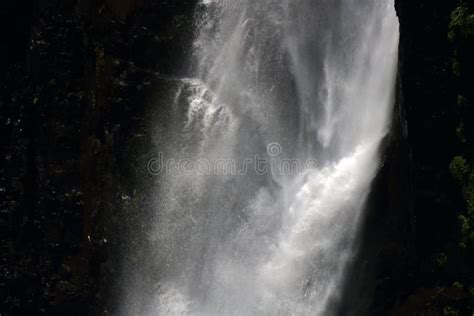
pixel 272 149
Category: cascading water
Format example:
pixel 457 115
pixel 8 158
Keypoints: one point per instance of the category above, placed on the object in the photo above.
pixel 282 82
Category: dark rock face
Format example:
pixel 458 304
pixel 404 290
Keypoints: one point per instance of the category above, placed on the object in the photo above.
pixel 439 280
pixel 78 84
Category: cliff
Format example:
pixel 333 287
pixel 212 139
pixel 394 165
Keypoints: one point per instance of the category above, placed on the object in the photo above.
pixel 79 79
pixel 436 95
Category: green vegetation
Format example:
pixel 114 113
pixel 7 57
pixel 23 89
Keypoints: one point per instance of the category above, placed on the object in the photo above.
pixel 461 37
pixel 461 26
pixel 461 31
pixel 459 169
pixel 449 311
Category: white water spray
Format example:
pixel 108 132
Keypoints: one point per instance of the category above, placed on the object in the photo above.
pixel 316 77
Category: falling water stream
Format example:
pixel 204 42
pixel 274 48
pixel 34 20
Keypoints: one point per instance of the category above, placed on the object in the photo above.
pixel 285 82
